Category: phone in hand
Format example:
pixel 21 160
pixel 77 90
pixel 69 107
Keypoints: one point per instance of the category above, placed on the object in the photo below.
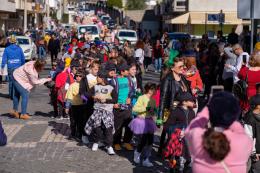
pixel 244 59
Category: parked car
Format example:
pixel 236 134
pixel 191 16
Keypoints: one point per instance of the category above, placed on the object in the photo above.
pixel 28 47
pixel 178 36
pixel 105 19
pixel 92 30
pixel 111 24
pixel 126 34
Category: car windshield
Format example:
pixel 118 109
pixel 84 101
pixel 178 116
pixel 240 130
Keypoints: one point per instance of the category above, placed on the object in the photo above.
pixel 90 29
pixel 23 41
pixel 127 34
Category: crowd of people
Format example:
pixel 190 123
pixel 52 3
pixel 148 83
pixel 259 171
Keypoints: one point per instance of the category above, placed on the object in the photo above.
pixel 98 85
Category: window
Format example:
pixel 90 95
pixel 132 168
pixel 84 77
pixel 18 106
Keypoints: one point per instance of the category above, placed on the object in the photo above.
pixel 23 41
pixel 127 34
pixel 90 29
pixel 181 3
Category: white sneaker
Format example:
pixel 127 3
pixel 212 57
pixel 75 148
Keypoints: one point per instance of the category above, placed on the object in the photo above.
pixel 85 139
pixel 147 163
pixel 110 151
pixel 155 71
pixel 137 157
pixel 95 147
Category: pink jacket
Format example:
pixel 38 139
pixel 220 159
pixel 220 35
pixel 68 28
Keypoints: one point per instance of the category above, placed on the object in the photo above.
pixel 27 76
pixel 240 144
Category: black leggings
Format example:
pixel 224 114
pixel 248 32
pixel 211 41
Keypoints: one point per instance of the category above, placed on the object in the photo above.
pixel 144 140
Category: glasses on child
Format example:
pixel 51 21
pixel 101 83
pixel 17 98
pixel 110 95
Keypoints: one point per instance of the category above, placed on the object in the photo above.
pixel 78 75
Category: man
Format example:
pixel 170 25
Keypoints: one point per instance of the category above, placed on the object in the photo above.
pixel 13 57
pixel 233 37
pixel 54 47
pixel 242 58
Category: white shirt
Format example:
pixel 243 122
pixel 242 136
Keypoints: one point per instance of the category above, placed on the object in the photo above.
pixel 235 69
pixel 139 53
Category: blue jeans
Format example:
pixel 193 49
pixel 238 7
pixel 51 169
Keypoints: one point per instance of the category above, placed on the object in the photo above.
pixel 42 53
pixel 158 64
pixel 19 91
pixel 11 85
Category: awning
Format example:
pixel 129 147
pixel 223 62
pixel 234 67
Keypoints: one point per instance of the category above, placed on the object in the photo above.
pixel 199 18
pixel 182 19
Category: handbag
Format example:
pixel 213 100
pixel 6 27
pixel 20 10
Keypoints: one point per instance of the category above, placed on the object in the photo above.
pixel 240 88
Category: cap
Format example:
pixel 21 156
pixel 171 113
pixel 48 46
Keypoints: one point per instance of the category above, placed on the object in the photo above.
pixel 123 67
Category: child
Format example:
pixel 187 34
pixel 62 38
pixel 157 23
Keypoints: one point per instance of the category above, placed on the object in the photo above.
pixel 144 125
pixel 74 102
pixel 180 118
pixel 86 84
pixel 102 119
pixel 122 110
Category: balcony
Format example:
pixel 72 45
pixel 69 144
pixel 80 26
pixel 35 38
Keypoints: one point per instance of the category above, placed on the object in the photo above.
pixel 180 5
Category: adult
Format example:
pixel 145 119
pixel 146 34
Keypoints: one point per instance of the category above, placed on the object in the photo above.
pixel 157 55
pixel 13 57
pixel 147 54
pixel 233 37
pixel 214 136
pixel 253 77
pixel 172 85
pixel 242 58
pixel 139 54
pixel 54 47
pixel 25 78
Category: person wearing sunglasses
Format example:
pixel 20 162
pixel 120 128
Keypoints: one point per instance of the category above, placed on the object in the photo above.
pixel 173 84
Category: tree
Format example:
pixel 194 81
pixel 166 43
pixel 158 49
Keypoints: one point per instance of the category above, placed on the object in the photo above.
pixel 115 3
pixel 136 4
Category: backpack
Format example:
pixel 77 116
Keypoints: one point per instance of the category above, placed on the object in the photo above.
pixel 63 90
pixel 240 88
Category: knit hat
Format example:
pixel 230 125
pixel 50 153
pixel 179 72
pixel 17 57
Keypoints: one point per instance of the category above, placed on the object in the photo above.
pixel 67 61
pixel 224 109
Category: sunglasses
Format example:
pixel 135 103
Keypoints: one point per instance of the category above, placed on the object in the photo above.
pixel 78 75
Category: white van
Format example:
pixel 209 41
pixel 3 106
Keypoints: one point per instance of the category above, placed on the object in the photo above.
pixel 92 30
pixel 127 34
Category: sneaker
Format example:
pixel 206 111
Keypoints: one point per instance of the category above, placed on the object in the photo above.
pixel 14 113
pixel 155 71
pixel 128 146
pixel 25 117
pixel 110 151
pixel 95 147
pixel 85 140
pixel 59 118
pixel 147 163
pixel 137 157
pixel 117 147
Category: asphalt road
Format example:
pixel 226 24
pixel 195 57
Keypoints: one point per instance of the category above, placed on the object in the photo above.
pixel 41 145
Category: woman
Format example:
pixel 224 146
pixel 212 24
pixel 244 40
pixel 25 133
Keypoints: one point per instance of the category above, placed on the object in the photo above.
pixel 157 55
pixel 147 54
pixel 217 141
pixel 252 74
pixel 139 55
pixel 173 84
pixel 26 77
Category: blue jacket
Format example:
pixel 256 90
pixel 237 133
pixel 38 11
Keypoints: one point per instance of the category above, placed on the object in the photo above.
pixel 13 56
pixel 3 138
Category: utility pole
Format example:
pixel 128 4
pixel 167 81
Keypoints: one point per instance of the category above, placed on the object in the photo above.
pixel 252 26
pixel 25 16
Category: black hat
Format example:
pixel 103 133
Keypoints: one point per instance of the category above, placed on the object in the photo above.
pixel 255 100
pixel 186 96
pixel 123 67
pixel 110 67
pixel 224 109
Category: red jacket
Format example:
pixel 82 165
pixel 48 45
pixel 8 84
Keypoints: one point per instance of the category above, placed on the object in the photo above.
pixel 60 82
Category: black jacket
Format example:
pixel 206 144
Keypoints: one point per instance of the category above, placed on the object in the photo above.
pixel 54 45
pixel 254 121
pixel 170 89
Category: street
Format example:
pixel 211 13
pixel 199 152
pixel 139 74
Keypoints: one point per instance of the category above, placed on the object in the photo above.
pixel 41 144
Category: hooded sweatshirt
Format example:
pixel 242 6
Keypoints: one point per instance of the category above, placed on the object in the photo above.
pixel 240 144
pixel 13 56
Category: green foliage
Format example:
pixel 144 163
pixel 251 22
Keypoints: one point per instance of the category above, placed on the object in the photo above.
pixel 115 3
pixel 136 4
